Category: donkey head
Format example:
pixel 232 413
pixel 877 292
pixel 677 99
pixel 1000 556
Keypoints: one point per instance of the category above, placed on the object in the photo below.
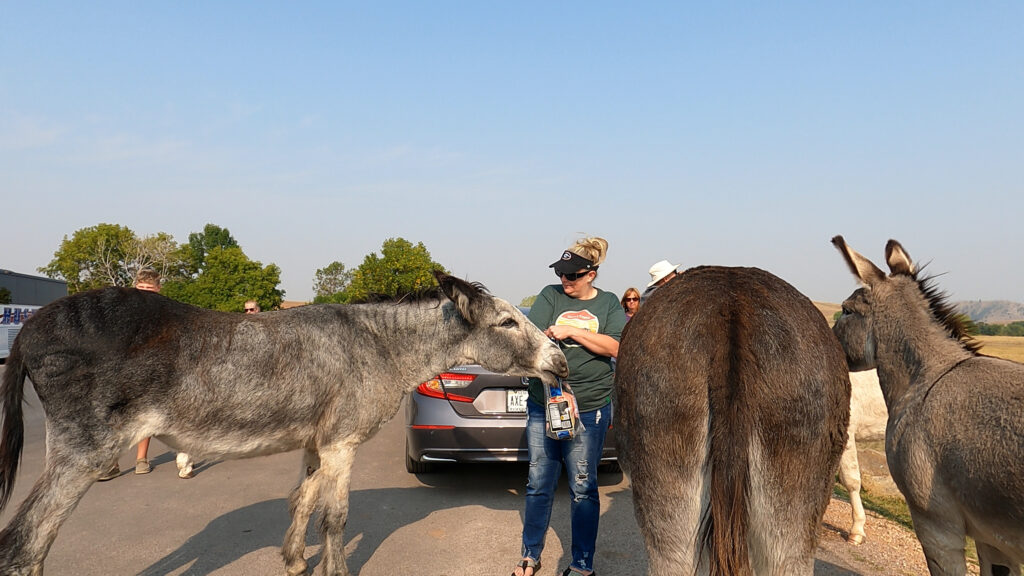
pixel 900 296
pixel 500 337
pixel 855 329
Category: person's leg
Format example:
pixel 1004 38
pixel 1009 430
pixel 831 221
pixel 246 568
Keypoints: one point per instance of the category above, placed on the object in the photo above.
pixel 582 456
pixel 142 458
pixel 545 467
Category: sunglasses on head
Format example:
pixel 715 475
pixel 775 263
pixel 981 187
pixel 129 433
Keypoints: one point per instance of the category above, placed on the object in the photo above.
pixel 572 276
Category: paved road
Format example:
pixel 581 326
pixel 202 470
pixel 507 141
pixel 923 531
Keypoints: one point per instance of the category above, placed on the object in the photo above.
pixel 230 519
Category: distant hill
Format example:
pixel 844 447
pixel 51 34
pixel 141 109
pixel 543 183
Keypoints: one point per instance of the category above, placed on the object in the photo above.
pixel 992 311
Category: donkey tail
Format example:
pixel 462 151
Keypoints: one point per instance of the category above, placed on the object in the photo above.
pixel 724 527
pixel 12 435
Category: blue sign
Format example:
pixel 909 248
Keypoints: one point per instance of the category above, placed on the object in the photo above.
pixel 16 315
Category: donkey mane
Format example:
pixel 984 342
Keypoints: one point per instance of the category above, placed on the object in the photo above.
pixel 945 313
pixel 420 295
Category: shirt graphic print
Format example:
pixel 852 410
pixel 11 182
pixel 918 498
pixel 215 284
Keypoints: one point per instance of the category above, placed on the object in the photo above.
pixel 582 319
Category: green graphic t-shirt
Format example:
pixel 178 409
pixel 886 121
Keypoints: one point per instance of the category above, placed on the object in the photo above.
pixel 590 375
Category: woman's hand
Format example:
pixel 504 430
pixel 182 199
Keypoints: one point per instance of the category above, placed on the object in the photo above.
pixel 600 344
pixel 574 408
pixel 561 332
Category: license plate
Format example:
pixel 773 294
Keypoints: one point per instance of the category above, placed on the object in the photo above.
pixel 515 400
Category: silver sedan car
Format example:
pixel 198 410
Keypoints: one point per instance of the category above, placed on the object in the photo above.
pixel 469 414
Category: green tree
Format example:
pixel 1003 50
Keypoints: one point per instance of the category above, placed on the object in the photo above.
pixel 528 301
pixel 201 243
pixel 988 329
pixel 227 280
pixel 402 268
pixel 5 295
pixel 330 283
pixel 1013 329
pixel 110 255
pixel 159 252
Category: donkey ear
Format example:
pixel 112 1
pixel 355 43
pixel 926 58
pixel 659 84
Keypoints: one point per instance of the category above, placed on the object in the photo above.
pixel 898 259
pixel 460 292
pixel 862 268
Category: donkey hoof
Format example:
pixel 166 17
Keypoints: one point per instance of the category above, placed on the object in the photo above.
pixel 296 569
pixel 856 539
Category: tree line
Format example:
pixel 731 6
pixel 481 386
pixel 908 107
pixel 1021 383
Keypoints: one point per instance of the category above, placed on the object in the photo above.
pixel 212 271
pixel 1011 329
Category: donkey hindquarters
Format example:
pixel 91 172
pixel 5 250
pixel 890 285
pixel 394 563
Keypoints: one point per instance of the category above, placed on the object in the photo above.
pixel 732 407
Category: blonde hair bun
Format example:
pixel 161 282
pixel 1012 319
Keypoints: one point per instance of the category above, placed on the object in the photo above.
pixel 594 249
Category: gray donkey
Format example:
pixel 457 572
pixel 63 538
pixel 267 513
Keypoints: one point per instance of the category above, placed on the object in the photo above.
pixel 955 435
pixel 732 403
pixel 116 365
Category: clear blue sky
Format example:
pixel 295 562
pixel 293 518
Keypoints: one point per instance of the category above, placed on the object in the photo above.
pixel 496 134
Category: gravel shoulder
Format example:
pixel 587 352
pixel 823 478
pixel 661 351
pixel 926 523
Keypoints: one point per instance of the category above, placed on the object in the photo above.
pixel 889 549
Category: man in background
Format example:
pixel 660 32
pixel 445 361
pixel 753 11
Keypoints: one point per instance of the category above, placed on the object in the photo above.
pixel 661 272
pixel 147 279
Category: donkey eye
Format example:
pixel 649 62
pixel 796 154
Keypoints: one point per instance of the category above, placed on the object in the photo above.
pixel 509 323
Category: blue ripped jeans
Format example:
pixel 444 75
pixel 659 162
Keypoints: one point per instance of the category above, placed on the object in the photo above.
pixel 581 456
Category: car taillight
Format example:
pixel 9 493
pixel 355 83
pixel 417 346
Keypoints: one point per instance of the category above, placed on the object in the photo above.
pixel 435 387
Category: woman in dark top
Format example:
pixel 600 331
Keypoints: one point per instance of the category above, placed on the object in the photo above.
pixel 587 323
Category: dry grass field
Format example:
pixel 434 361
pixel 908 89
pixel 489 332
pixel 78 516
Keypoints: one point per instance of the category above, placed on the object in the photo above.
pixel 828 309
pixel 1009 347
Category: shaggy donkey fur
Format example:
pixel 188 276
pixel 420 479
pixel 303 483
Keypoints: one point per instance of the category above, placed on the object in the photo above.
pixel 116 365
pixel 955 436
pixel 732 406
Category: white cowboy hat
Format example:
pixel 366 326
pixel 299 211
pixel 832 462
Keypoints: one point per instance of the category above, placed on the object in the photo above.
pixel 660 270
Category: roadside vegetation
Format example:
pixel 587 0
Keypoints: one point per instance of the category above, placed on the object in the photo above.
pixel 1011 329
pixel 401 268
pixel 212 271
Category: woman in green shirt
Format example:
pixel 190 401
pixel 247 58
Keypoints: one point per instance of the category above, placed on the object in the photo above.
pixel 587 323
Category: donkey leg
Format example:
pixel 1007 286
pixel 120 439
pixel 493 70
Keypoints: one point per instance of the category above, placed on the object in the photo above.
pixel 26 540
pixel 336 465
pixel 310 462
pixel 301 504
pixel 185 465
pixel 849 477
pixel 668 509
pixel 943 539
pixel 995 563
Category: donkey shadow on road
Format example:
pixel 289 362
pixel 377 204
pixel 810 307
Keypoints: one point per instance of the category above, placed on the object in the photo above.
pixel 240 532
pixel 498 487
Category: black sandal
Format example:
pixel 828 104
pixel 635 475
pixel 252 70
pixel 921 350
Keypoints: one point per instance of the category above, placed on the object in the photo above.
pixel 527 563
pixel 570 571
